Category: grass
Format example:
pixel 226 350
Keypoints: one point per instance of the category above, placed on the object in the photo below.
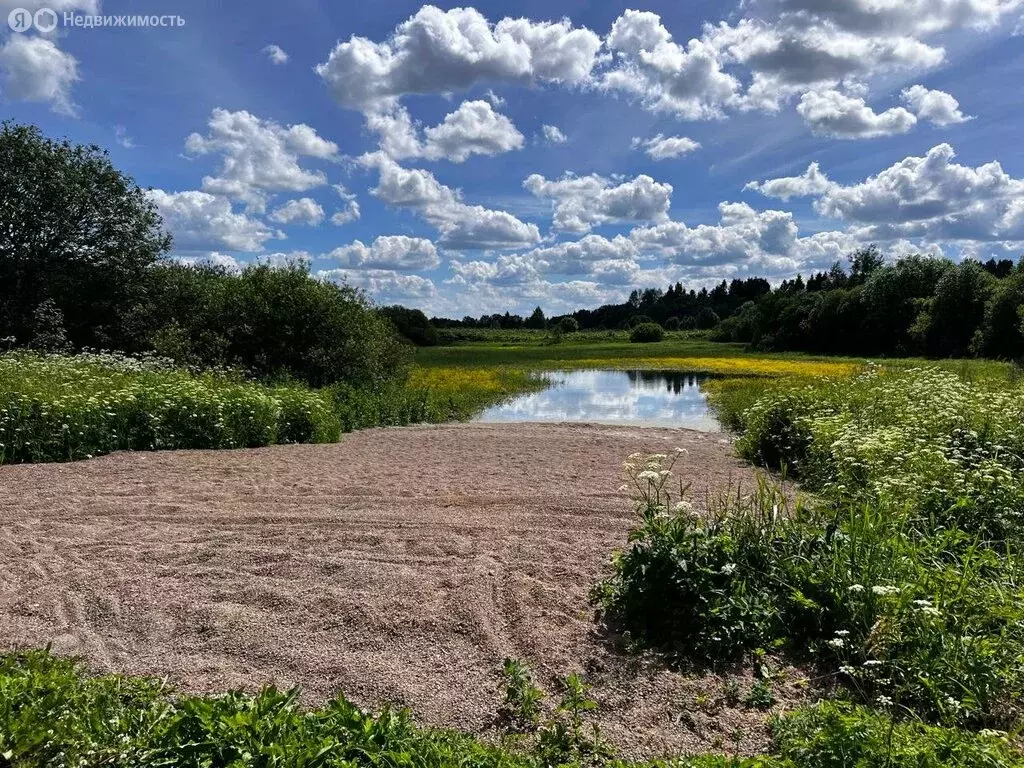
pixel 900 577
pixel 53 714
pixel 59 408
pixel 63 408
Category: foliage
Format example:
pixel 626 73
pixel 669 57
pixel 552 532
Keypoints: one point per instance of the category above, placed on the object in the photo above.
pixel 706 318
pixel 636 320
pixel 645 333
pixel 925 619
pixel 904 574
pixel 64 407
pixel 536 321
pixel 58 408
pixel 76 237
pixel 1002 333
pixel 953 315
pixel 457 393
pixel 522 704
pixel 271 321
pixel 53 714
pixel 564 737
pixel 81 266
pixel 837 735
pixel 412 324
pixel 949 449
pixel 568 325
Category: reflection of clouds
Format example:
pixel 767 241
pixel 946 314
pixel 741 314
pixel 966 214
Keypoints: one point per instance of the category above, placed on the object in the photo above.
pixel 666 398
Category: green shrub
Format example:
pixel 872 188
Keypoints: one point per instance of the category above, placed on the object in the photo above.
pixel 948 449
pixel 569 325
pixel 53 714
pixel 925 617
pixel 836 735
pixel 646 333
pixel 61 408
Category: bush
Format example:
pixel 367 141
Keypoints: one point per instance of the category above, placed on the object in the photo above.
pixel 706 319
pixel 672 324
pixel 646 333
pixel 61 408
pixel 568 325
pixel 910 603
pixel 636 320
pixel 412 324
pixel 837 735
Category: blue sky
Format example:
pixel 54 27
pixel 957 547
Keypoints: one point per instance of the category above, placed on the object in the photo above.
pixel 470 159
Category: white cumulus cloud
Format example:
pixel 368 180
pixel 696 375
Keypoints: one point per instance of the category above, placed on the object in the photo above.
pixel 259 157
pixel 553 134
pixel 460 225
pixel 665 147
pixel 35 69
pixel 204 222
pixel 834 114
pixel 938 107
pixel 581 202
pixel 395 252
pixel 813 181
pixel 304 210
pixel 276 54
pixel 437 51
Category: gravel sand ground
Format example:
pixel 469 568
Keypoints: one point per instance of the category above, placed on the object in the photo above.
pixel 399 565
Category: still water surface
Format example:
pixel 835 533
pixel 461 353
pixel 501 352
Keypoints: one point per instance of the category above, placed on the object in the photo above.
pixel 645 398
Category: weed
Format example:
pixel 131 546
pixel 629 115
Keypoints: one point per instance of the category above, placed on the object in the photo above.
pixel 522 705
pixel 760 696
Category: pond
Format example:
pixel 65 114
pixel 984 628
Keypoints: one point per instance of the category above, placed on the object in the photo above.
pixel 639 398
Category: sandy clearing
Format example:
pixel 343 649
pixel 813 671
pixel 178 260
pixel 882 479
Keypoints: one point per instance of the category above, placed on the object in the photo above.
pixel 400 565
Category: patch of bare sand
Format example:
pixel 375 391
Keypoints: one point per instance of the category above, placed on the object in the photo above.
pixel 398 566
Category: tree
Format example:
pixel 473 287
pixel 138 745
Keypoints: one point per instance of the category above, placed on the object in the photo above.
pixel 537 321
pixel 568 325
pixel 957 309
pixel 1001 333
pixel 411 324
pixel 706 318
pixel 890 303
pixel 75 232
pixel 863 262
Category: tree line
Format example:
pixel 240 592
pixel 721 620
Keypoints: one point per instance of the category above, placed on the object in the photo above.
pixel 83 264
pixel 917 305
pixel 913 306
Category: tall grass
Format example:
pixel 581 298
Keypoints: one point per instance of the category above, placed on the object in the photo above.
pixel 60 408
pixel 901 574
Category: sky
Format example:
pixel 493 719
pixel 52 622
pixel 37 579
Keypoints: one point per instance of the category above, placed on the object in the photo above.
pixel 500 156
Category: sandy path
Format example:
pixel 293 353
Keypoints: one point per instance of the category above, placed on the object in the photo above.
pixel 400 565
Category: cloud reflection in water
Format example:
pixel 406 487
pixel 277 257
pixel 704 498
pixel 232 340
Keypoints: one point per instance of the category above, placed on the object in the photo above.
pixel 649 398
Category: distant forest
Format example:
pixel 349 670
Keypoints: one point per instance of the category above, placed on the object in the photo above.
pixel 913 306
